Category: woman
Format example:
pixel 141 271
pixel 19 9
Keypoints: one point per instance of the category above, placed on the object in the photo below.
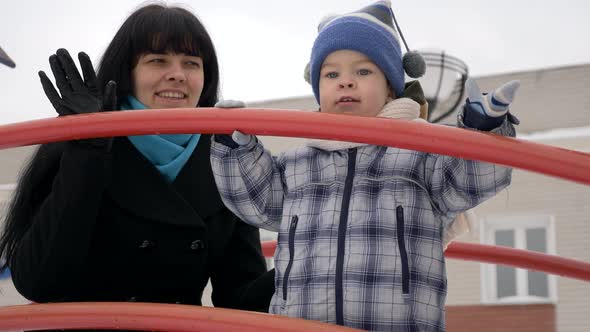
pixel 133 218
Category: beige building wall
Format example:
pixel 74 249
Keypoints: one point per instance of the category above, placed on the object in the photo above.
pixel 11 161
pixel 533 194
pixel 548 98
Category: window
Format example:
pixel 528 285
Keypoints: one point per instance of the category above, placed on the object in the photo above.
pixel 506 284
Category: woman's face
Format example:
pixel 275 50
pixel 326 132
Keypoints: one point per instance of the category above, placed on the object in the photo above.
pixel 168 80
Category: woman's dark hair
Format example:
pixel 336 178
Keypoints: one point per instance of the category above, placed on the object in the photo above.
pixel 159 29
pixel 34 184
pixel 153 28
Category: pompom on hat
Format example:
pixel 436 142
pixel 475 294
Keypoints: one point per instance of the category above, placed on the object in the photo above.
pixel 371 31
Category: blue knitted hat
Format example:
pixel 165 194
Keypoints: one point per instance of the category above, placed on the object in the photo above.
pixel 370 31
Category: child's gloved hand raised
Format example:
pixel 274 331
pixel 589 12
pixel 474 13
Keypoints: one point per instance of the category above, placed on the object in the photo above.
pixel 237 138
pixel 488 110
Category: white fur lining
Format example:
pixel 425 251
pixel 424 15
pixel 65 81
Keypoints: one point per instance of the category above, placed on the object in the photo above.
pixel 401 109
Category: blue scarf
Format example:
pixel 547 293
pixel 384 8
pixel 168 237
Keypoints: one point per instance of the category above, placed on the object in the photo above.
pixel 168 153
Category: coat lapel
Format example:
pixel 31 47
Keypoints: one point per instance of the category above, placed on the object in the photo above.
pixel 195 182
pixel 138 187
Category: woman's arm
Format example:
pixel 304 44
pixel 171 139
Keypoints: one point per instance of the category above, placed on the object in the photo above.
pixel 53 250
pixel 61 219
pixel 240 279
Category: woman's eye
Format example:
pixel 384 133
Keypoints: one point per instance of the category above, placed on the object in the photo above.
pixel 156 60
pixel 194 63
pixel 364 72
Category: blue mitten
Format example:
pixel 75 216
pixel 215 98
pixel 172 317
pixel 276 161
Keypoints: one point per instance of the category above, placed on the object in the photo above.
pixel 488 111
pixel 237 138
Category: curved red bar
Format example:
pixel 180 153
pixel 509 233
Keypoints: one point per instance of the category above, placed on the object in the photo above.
pixel 149 317
pixel 525 259
pixel 567 164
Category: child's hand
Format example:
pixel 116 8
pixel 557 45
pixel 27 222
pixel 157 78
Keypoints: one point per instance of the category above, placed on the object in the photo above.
pixel 241 138
pixel 487 111
pixel 493 104
pixel 237 137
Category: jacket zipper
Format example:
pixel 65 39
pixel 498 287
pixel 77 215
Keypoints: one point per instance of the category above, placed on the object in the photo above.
pixel 341 237
pixel 292 227
pixel 403 253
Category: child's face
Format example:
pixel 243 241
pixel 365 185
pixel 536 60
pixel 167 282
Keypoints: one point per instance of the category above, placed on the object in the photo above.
pixel 350 83
pixel 168 80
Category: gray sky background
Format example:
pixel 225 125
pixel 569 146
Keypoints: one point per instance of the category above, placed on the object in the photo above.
pixel 263 45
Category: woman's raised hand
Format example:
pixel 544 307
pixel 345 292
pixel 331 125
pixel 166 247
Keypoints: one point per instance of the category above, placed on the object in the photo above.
pixel 78 96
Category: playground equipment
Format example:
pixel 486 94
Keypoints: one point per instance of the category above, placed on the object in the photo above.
pixel 557 162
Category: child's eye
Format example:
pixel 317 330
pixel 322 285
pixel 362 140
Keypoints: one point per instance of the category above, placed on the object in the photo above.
pixel 331 74
pixel 364 72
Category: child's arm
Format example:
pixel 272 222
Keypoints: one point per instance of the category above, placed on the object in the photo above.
pixel 456 184
pixel 487 111
pixel 248 178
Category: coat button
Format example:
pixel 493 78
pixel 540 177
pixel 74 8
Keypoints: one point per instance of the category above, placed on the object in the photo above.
pixel 197 245
pixel 147 244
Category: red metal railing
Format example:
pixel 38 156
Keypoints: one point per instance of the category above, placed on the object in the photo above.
pixel 562 163
pixel 150 317
pixel 482 253
pixel 567 164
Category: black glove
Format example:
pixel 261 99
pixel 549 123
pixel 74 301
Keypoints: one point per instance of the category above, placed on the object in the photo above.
pixel 78 96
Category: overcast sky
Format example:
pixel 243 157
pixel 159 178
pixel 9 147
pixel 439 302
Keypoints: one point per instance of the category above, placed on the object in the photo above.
pixel 263 45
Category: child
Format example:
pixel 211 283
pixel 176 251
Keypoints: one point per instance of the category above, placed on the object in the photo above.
pixel 360 226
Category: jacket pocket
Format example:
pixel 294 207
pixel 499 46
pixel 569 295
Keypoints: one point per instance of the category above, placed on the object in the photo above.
pixel 403 253
pixel 292 228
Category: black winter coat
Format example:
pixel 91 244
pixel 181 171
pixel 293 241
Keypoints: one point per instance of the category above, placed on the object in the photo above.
pixel 110 228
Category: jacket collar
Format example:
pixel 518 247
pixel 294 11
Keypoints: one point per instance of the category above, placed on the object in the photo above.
pixel 138 187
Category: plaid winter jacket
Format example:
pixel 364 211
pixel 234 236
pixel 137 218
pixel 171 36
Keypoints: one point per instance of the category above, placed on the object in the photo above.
pixel 360 230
